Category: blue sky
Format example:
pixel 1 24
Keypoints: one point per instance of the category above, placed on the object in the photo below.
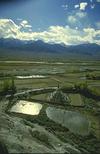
pixel 44 13
pixel 40 15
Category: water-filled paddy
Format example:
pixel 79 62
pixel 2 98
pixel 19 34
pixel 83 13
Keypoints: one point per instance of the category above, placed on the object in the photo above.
pixel 26 107
pixel 74 121
pixel 31 76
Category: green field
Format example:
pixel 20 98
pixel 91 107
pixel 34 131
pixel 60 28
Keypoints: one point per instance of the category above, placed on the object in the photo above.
pixel 65 73
pixel 76 100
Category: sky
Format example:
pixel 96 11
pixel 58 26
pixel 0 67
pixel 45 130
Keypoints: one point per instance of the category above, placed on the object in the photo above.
pixel 54 21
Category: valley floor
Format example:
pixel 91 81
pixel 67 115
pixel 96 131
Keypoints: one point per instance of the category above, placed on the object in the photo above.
pixel 23 133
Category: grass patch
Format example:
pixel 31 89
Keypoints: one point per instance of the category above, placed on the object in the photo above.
pixel 76 100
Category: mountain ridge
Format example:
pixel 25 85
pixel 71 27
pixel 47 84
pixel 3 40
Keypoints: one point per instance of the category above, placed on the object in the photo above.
pixel 40 47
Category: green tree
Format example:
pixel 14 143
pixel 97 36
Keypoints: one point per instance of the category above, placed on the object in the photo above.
pixel 13 87
pixel 9 86
pixel 6 85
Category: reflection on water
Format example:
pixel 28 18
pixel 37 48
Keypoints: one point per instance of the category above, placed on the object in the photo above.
pixel 27 108
pixel 31 76
pixel 74 121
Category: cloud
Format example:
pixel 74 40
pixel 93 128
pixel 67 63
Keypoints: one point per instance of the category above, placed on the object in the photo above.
pixel 24 24
pixel 72 19
pixel 76 6
pixel 54 34
pixel 8 28
pixel 92 6
pixel 76 18
pixel 80 14
pixel 83 5
pixel 65 6
pixel 98 0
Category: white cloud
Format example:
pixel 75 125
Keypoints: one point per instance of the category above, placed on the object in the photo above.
pixel 76 17
pixel 54 34
pixel 76 6
pixel 8 28
pixel 83 5
pixel 65 6
pixel 81 14
pixel 98 0
pixel 92 6
pixel 24 24
pixel 72 19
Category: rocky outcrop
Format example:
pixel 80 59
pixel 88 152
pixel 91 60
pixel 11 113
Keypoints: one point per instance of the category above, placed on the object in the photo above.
pixel 21 136
pixel 59 97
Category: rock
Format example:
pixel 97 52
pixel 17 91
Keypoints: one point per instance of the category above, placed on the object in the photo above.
pixel 30 138
pixel 58 97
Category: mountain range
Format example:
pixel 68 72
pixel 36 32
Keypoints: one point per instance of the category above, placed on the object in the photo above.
pixel 18 48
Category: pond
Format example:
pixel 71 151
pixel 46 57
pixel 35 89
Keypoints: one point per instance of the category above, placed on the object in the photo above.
pixel 26 107
pixel 74 121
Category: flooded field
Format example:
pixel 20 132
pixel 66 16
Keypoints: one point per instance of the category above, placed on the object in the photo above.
pixel 74 121
pixel 77 120
pixel 26 107
pixel 31 76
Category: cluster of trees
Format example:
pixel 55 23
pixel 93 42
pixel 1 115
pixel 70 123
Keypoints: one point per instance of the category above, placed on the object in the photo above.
pixel 93 77
pixel 76 88
pixel 9 86
pixel 85 90
pixel 81 86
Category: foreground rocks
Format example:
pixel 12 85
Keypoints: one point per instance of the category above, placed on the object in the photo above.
pixel 21 136
pixel 39 135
